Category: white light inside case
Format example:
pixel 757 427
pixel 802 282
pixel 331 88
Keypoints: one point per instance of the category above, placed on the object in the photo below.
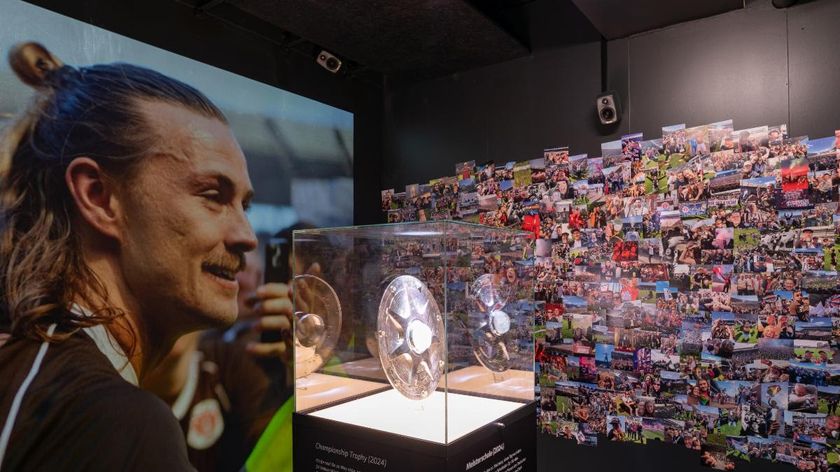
pixel 425 419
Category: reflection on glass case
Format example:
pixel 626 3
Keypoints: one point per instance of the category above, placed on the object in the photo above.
pixel 423 330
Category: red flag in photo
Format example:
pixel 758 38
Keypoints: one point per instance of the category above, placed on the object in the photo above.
pixel 531 223
pixel 794 175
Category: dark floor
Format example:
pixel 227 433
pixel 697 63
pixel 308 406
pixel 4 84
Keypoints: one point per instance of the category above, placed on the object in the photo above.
pixel 559 455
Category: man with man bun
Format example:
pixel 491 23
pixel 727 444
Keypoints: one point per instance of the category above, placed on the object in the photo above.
pixel 123 197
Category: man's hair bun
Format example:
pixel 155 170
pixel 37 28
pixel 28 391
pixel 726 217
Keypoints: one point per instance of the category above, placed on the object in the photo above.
pixel 33 63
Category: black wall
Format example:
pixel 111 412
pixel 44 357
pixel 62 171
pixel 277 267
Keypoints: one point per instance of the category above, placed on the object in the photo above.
pixel 250 51
pixel 757 65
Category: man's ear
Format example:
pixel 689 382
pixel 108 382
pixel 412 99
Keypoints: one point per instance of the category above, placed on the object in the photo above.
pixel 93 193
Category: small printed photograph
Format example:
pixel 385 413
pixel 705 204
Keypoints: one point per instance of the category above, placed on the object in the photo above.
pixel 669 219
pixel 823 188
pixel 625 251
pixel 829 401
pixel 792 199
pixel 717 349
pixel 746 239
pixel 745 307
pixel 815 237
pixel 654 272
pixel 616 177
pixel 538 170
pixel 727 393
pixel 794 173
pixel 467 185
pixel 720 136
pixel 586 438
pixel 464 170
pixel 812 351
pixel 467 203
pixel 758 190
pixel 674 139
pixel 831 258
pixel 578 167
pixel 724 182
pixel 653 429
pixel 557 156
pixel 691 337
pixel 616 428
pixel 715 457
pixel 653 150
pixel 722 161
pixel 488 202
pixel 612 148
pixel 603 355
pixel 548 399
pixel 820 329
pixel 803 397
pixel 394 216
pixel 595 170
pixel 790 147
pixel 715 301
pixel 724 200
pixel 412 192
pixel 631 146
pixel 693 209
pixel 751 139
pixel 805 427
pixel 776 134
pixel 485 172
pixel 769 348
pixel 761 447
pixel 505 172
pixel 650 251
pixel 821 282
pixel 737 447
pixel 822 154
pixel 774 395
pixel 634 429
pixel 522 174
pixel 697 140
pixel 388 200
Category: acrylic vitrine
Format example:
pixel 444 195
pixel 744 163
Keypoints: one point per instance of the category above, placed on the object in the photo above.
pixel 416 338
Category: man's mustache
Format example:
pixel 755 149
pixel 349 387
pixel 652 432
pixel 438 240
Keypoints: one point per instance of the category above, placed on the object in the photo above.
pixel 231 261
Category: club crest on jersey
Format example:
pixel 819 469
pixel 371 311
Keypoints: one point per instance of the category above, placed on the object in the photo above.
pixel 206 424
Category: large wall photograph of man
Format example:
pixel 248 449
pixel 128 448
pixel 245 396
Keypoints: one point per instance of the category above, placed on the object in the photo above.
pixel 140 193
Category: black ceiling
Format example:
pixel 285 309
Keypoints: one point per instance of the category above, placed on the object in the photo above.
pixel 620 18
pixel 419 39
pixel 416 39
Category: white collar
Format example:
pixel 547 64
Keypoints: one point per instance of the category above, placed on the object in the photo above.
pixel 185 397
pixel 108 346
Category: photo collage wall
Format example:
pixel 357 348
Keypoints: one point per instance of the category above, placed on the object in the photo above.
pixel 688 286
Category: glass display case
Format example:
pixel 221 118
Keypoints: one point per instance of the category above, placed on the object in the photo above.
pixel 421 330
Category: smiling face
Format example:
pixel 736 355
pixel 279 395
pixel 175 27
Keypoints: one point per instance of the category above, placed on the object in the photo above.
pixel 184 230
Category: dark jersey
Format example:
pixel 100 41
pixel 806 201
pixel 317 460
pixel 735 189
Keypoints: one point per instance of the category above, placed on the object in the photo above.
pixel 78 413
pixel 231 401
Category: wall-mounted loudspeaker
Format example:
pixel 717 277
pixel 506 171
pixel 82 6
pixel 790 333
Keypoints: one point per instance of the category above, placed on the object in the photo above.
pixel 328 61
pixel 609 110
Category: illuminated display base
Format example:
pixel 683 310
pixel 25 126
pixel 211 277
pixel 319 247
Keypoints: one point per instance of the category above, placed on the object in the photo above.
pixel 505 443
pixel 420 419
